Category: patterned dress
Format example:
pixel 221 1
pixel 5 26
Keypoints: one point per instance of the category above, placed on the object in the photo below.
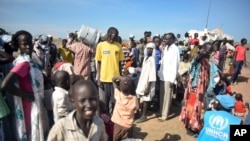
pixel 198 93
pixel 38 116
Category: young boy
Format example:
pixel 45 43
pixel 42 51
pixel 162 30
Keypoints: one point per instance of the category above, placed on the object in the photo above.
pixel 146 84
pixel 82 124
pixel 125 107
pixel 60 99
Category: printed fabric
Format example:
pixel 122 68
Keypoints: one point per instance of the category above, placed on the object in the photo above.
pixel 37 114
pixel 194 95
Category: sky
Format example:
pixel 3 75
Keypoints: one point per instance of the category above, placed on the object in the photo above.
pixel 59 17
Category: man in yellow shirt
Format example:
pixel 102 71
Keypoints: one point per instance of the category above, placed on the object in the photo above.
pixel 64 53
pixel 109 55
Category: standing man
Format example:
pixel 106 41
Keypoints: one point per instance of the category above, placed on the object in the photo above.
pixel 53 50
pixel 167 74
pixel 222 54
pixel 240 58
pixel 65 54
pixel 109 55
pixel 82 57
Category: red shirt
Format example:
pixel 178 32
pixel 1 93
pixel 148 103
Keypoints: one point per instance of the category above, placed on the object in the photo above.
pixel 239 107
pixel 229 90
pixel 192 41
pixel 241 53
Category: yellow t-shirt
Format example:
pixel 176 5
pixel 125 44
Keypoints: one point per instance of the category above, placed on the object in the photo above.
pixel 110 54
pixel 66 55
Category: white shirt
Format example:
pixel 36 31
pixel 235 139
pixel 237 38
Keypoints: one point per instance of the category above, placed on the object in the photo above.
pixel 169 64
pixel 148 74
pixel 60 103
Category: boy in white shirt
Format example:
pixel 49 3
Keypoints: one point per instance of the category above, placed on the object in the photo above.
pixel 60 99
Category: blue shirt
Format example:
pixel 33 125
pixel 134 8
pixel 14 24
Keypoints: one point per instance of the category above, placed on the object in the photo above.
pixel 157 58
pixel 180 50
pixel 217 126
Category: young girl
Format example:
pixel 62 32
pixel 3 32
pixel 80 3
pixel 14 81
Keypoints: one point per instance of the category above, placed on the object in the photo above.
pixel 28 90
pixel 240 110
pixel 125 107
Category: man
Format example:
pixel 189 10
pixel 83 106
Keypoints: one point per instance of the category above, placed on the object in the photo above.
pixel 141 47
pixel 222 54
pixel 194 40
pixel 53 50
pixel 65 54
pixel 167 74
pixel 82 57
pixel 240 58
pixel 109 55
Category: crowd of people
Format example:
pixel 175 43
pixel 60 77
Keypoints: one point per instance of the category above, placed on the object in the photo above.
pixel 77 91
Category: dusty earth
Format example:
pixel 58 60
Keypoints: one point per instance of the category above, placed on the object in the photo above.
pixel 173 129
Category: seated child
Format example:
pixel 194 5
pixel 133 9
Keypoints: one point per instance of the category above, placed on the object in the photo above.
pixel 221 87
pixel 82 124
pixel 240 110
pixel 125 107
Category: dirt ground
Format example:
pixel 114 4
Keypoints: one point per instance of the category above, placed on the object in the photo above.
pixel 173 129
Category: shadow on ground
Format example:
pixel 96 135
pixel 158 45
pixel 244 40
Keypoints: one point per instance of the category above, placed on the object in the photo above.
pixel 242 79
pixel 138 134
pixel 175 109
pixel 170 137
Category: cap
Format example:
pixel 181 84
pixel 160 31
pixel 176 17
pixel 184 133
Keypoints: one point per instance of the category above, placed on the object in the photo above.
pixel 227 101
pixel 44 38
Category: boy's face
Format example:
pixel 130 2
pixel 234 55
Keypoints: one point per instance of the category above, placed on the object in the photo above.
pixel 85 101
pixel 157 42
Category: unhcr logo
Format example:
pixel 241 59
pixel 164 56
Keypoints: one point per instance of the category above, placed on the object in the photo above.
pixel 218 122
pixel 217 125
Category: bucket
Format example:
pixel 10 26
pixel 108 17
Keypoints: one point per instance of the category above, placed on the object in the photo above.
pixel 89 35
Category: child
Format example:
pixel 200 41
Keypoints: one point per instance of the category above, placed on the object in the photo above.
pixel 183 74
pixel 125 107
pixel 109 125
pixel 82 124
pixel 240 109
pixel 220 88
pixel 60 99
pixel 228 85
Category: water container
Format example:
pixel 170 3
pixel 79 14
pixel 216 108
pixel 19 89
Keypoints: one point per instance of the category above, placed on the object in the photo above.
pixel 89 35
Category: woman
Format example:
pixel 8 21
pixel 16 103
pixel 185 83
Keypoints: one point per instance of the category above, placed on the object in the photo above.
pixel 25 81
pixel 199 91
